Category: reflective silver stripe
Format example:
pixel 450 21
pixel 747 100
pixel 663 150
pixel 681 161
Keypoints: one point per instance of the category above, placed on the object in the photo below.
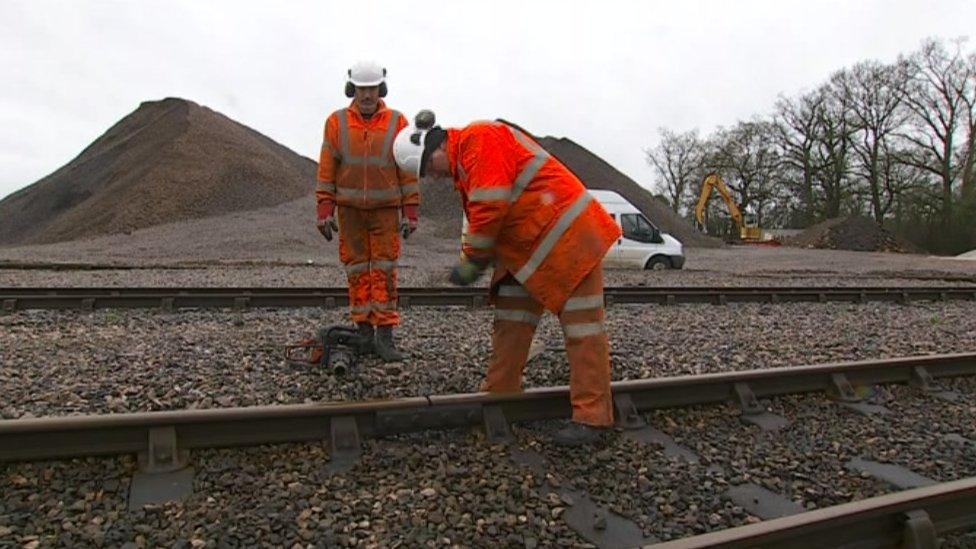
pixel 530 171
pixel 372 194
pixel 583 303
pixel 383 160
pixel 344 136
pixel 384 265
pixel 492 193
pixel 583 330
pixel 354 268
pixel 526 175
pixel 411 188
pixel 479 241
pixel 552 237
pixel 512 291
pixel 323 186
pixel 374 306
pixel 517 316
pixel 328 146
pixel 387 306
pixel 388 138
pixel 524 140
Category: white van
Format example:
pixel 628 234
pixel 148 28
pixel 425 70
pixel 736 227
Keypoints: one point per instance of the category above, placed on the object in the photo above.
pixel 642 245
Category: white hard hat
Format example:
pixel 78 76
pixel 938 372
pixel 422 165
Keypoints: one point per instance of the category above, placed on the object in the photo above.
pixel 408 147
pixel 366 73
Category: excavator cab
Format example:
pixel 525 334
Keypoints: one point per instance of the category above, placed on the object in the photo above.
pixel 750 231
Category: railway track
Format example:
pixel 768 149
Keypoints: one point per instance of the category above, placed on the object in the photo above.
pixel 163 441
pixel 14 299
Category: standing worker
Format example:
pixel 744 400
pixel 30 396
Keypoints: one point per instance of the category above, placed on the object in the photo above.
pixel 376 203
pixel 547 236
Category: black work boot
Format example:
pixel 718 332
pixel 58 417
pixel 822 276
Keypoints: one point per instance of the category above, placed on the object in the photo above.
pixel 577 434
pixel 384 345
pixel 366 345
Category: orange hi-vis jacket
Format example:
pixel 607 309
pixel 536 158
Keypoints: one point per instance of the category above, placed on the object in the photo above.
pixel 356 166
pixel 527 211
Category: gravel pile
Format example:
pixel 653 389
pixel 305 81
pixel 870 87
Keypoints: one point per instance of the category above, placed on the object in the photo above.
pixel 131 360
pixel 168 161
pixel 856 233
pixel 452 488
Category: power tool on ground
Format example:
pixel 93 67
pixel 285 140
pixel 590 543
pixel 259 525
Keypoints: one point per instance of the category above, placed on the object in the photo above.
pixel 337 348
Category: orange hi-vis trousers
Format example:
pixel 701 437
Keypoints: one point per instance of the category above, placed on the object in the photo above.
pixel 516 316
pixel 369 246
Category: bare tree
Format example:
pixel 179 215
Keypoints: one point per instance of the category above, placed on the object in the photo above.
pixel 747 158
pixel 968 155
pixel 940 83
pixel 832 152
pixel 796 131
pixel 874 92
pixel 676 161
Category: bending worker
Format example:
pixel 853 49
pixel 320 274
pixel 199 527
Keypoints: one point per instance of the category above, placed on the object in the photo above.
pixel 547 236
pixel 358 174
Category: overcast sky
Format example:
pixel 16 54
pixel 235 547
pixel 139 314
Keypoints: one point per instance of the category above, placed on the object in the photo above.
pixel 605 74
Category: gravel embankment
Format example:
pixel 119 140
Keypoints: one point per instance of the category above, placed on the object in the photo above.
pixel 452 488
pixel 54 363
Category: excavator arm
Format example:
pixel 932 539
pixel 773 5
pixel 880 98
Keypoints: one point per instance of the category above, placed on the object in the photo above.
pixel 714 180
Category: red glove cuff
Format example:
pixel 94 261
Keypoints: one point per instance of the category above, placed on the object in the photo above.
pixel 325 209
pixel 411 211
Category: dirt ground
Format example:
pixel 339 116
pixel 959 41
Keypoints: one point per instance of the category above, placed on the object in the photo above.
pixel 304 259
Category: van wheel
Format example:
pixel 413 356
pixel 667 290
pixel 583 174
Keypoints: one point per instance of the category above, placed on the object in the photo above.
pixel 658 263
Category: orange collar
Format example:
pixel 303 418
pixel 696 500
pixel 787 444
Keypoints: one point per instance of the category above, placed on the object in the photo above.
pixel 380 109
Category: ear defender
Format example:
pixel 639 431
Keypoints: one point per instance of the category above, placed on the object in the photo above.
pixel 350 88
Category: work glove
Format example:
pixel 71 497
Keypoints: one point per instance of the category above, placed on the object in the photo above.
pixel 409 221
pixel 327 226
pixel 466 272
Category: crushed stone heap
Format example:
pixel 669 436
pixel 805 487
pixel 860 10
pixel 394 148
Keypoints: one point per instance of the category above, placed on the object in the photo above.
pixel 167 161
pixel 857 233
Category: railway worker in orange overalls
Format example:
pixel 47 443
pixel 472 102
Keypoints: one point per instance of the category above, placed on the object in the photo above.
pixel 547 237
pixel 376 203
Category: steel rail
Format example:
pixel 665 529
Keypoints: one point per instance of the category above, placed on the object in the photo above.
pixel 912 518
pixel 13 299
pixel 69 436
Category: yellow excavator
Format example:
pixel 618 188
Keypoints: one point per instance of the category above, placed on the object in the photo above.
pixel 749 231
